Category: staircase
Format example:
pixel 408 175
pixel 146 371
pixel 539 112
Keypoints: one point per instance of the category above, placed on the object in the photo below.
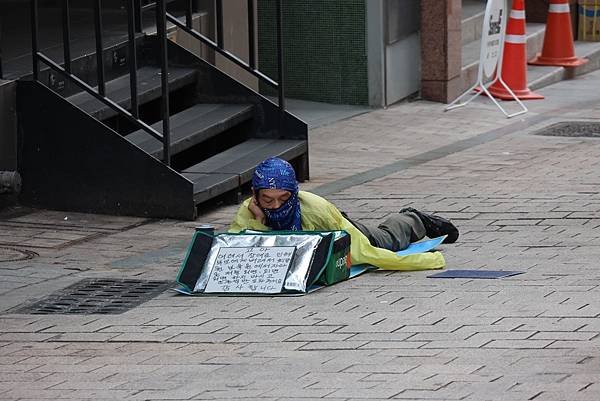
pixel 107 154
pixel 538 76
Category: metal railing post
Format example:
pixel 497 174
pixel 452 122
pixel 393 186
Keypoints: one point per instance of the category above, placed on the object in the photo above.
pixel 251 39
pixel 137 7
pixel 219 23
pixel 1 73
pixel 99 47
pixel 188 13
pixel 66 21
pixel 161 27
pixel 34 39
pixel 280 65
pixel 132 60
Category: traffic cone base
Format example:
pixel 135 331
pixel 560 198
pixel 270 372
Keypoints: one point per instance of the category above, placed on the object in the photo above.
pixel 500 92
pixel 564 61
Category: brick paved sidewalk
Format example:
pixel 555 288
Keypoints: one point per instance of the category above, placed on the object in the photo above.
pixel 522 202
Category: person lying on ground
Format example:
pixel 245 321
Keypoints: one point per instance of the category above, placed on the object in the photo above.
pixel 278 204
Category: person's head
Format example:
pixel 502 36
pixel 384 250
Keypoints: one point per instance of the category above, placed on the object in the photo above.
pixel 272 198
pixel 276 191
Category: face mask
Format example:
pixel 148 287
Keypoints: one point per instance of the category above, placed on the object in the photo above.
pixel 285 217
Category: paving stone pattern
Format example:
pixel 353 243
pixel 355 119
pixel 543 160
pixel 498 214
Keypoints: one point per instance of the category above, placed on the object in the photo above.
pixel 522 202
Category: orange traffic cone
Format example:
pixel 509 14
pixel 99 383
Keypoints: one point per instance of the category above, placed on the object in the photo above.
pixel 514 60
pixel 558 40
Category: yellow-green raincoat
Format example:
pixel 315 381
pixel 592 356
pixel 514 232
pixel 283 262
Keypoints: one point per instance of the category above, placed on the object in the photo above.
pixel 320 215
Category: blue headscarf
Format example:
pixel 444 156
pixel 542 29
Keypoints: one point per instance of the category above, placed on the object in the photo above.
pixel 275 173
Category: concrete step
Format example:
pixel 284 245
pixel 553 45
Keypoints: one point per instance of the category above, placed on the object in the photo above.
pixel 470 53
pixel 541 76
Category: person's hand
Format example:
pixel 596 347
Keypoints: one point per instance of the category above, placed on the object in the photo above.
pixel 259 215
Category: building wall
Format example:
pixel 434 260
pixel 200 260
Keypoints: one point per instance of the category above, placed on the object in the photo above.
pixel 325 49
pixel 402 49
pixel 403 68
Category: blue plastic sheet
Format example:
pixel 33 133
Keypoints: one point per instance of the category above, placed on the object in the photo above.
pixel 422 246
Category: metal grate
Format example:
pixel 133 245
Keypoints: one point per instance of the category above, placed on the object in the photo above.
pixel 104 296
pixel 572 129
pixel 10 254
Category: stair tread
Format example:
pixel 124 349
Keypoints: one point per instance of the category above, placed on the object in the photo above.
pixel 539 76
pixel 192 126
pixel 207 186
pixel 238 163
pixel 471 50
pixel 149 88
pixel 245 156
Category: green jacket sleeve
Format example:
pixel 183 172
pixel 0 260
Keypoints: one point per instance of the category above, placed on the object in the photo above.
pixel 244 220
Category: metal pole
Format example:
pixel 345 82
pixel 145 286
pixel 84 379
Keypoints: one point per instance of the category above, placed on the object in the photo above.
pixel 1 74
pixel 34 39
pixel 188 13
pixel 66 21
pixel 137 6
pixel 132 60
pixel 99 47
pixel 251 39
pixel 280 66
pixel 219 22
pixel 161 27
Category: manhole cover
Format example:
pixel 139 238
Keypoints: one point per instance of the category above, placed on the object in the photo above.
pixel 572 129
pixel 106 296
pixel 8 254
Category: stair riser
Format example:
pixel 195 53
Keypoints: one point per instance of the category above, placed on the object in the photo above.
pixel 184 157
pixel 238 126
pixel 471 28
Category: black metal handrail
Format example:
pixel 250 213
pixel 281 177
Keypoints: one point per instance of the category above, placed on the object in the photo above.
pixel 1 73
pixel 134 19
pixel 227 54
pixel 161 32
pixel 100 92
pixel 219 47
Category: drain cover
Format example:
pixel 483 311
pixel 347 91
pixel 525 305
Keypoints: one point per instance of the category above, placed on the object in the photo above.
pixel 106 296
pixel 572 129
pixel 9 254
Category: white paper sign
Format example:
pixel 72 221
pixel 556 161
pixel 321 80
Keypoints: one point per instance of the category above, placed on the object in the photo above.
pixel 250 269
pixel 492 35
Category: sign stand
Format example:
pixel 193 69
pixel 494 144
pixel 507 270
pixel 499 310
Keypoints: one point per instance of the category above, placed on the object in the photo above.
pixel 490 58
